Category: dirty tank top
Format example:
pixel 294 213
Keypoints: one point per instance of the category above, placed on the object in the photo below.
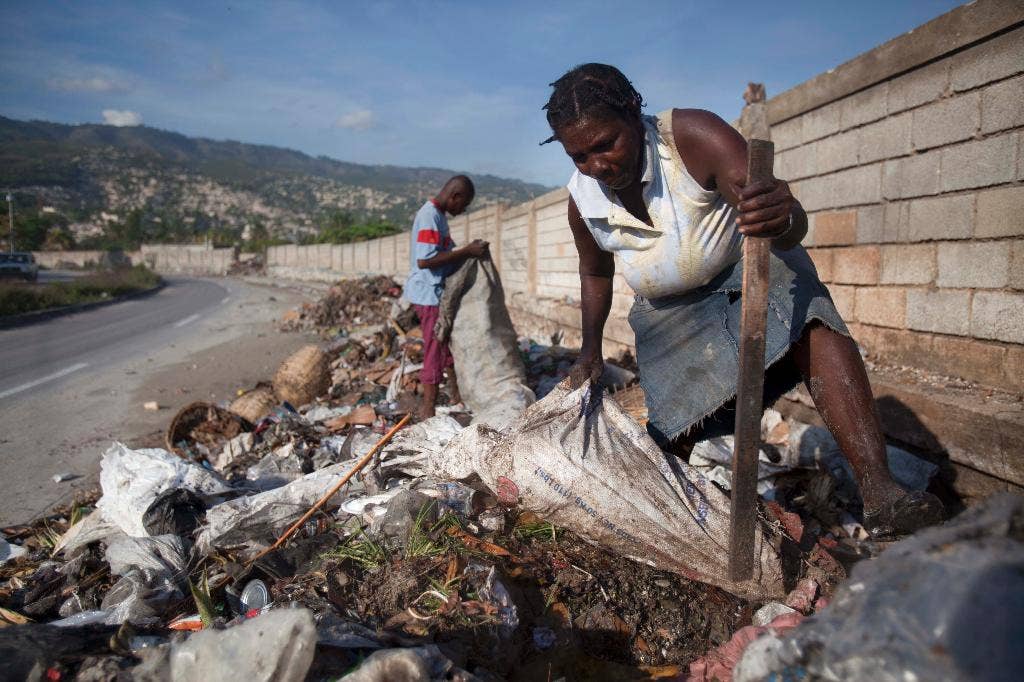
pixel 694 236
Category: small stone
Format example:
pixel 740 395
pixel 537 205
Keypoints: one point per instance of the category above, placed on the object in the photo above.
pixel 151 406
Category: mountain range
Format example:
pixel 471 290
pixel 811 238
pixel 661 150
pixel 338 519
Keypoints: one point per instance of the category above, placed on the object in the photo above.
pixel 99 174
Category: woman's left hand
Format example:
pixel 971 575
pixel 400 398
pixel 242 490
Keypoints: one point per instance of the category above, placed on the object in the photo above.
pixel 765 209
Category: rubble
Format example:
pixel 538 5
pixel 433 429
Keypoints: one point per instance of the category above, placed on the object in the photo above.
pixel 444 558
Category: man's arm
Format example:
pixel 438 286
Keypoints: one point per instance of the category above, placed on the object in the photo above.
pixel 716 156
pixel 597 268
pixel 475 249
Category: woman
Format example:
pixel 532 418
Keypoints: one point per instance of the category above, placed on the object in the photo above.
pixel 667 195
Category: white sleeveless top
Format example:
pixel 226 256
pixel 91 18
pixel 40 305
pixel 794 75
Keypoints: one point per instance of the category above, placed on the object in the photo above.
pixel 694 236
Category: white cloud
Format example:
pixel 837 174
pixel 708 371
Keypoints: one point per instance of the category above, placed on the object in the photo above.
pixel 95 84
pixel 119 118
pixel 360 119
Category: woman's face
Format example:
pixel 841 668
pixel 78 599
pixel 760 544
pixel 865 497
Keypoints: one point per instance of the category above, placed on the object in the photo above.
pixel 607 149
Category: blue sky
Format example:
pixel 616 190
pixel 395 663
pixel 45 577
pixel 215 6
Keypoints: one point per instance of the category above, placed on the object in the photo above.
pixel 452 84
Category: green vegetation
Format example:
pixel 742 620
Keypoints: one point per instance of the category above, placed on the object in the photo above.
pixel 18 297
pixel 341 227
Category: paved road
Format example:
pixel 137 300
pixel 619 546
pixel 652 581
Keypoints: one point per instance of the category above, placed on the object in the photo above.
pixel 71 385
pixel 40 354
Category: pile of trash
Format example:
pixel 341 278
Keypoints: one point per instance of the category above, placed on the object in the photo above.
pixel 309 530
pixel 348 304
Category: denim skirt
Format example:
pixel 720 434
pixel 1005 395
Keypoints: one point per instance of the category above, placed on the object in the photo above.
pixel 687 345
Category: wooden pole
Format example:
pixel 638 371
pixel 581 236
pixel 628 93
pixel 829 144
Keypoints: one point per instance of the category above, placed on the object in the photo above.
pixel 750 382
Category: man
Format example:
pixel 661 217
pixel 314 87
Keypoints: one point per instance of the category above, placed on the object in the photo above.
pixel 666 195
pixel 433 257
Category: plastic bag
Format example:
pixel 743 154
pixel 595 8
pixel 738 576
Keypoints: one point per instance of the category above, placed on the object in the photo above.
pixel 581 462
pixel 132 480
pixel 257 519
pixel 946 603
pixel 277 646
pixel 483 344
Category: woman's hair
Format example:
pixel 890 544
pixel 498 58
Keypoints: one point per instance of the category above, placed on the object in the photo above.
pixel 591 90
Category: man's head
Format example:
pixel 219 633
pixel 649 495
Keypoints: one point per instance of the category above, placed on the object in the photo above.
pixel 594 112
pixel 456 195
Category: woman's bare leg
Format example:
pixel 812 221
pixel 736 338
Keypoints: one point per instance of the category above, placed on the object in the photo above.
pixel 835 376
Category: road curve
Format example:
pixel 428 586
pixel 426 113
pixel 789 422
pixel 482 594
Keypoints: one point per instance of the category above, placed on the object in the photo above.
pixel 39 356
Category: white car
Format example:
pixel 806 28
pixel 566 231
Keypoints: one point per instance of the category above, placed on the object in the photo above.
pixel 19 264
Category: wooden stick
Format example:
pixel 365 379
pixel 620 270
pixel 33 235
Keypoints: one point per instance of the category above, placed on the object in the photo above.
pixel 345 479
pixel 750 383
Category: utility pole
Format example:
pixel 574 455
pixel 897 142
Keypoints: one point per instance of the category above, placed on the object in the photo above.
pixel 10 217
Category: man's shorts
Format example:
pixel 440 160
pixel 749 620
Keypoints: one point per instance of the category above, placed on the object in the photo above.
pixel 436 356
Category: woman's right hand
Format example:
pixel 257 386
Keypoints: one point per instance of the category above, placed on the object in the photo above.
pixel 587 366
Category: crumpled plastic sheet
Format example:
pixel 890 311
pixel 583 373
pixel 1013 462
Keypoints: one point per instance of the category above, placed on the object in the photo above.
pixel 946 603
pixel 277 646
pixel 256 520
pixel 9 551
pixel 160 555
pixel 152 570
pixel 422 663
pixel 90 529
pixel 807 447
pixel 132 479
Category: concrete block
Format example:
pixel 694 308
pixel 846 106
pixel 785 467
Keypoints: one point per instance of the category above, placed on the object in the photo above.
pixel 944 311
pixel 822 263
pixel 908 264
pixel 998 315
pixel 1016 264
pixel 856 265
pixel 1013 369
pixel 991 60
pixel 845 298
pixel 912 176
pixel 821 122
pixel 971 359
pixel 864 107
pixel 940 218
pixel 869 224
pixel 856 186
pixel 946 121
pixel 835 228
pixel 815 194
pixel 797 163
pixel 1000 213
pixel 893 346
pixel 895 221
pixel 1002 105
pixel 918 87
pixel 979 163
pixel 881 306
pixel 973 264
pixel 1020 155
pixel 836 151
pixel 788 134
pixel 885 139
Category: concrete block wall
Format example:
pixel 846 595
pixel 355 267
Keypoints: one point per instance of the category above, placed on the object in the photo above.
pixel 187 259
pixel 916 201
pixel 169 259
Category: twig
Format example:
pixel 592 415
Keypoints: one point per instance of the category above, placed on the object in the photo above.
pixel 323 500
pixel 599 586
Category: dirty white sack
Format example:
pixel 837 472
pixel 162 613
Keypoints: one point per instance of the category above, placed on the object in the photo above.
pixel 582 463
pixel 475 321
pixel 256 520
pixel 132 479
